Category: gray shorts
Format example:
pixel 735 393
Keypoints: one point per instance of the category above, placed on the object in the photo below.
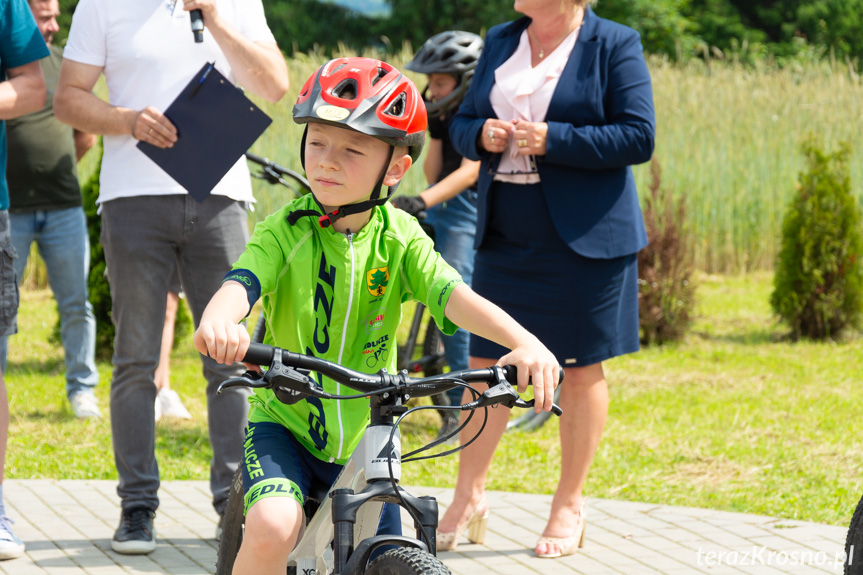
pixel 8 281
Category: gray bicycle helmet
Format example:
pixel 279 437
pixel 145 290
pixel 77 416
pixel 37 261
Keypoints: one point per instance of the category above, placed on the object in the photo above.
pixel 453 52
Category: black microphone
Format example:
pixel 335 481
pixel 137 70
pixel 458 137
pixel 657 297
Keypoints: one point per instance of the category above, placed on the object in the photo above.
pixel 197 25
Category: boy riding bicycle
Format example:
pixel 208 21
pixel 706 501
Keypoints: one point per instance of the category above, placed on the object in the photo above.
pixel 333 268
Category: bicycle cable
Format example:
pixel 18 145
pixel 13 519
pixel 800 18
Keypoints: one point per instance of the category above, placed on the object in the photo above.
pixel 451 434
pixel 391 442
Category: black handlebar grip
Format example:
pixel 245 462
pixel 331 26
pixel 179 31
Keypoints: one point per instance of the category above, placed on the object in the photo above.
pixel 259 354
pixel 511 373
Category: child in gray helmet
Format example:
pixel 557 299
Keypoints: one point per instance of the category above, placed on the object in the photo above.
pixel 448 59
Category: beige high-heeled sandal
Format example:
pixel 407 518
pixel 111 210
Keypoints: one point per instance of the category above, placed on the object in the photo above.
pixel 565 545
pixel 476 526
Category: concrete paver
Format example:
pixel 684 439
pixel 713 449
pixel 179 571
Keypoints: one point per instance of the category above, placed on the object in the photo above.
pixel 67 526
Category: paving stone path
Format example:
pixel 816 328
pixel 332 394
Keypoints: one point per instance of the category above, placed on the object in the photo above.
pixel 67 526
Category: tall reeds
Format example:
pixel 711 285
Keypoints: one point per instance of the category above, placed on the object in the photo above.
pixel 729 137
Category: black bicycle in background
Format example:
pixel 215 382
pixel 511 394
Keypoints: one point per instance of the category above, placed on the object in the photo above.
pixel 854 543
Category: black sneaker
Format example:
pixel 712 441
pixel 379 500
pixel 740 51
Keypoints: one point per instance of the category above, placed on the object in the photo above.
pixel 136 534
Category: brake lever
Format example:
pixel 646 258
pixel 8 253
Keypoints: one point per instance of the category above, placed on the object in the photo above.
pixel 555 408
pixel 252 379
pixel 290 385
pixel 504 394
pixel 271 175
pixel 501 394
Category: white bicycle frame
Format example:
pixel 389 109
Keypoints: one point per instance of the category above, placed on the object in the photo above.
pixel 314 554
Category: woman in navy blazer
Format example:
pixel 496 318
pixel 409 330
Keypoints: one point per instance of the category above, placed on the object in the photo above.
pixel 560 107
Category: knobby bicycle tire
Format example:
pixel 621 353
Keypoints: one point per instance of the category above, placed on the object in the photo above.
pixel 854 543
pixel 260 330
pixel 407 561
pixel 433 345
pixel 232 528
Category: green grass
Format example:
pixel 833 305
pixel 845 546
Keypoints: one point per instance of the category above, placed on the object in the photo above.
pixel 46 440
pixel 734 418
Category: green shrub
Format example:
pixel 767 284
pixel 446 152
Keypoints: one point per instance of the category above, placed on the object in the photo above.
pixel 666 293
pixel 817 286
pixel 100 292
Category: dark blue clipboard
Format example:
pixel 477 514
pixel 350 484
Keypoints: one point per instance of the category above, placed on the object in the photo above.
pixel 215 124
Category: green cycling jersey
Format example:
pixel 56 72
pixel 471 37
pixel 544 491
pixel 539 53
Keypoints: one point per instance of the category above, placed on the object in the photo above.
pixel 338 297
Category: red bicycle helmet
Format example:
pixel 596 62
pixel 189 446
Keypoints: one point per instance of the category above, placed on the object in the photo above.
pixel 368 96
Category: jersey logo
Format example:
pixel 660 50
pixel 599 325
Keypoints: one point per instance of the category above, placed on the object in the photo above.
pixel 324 305
pixel 377 280
pixel 375 320
pixel 239 278
pixel 321 340
pixel 376 355
pixel 317 423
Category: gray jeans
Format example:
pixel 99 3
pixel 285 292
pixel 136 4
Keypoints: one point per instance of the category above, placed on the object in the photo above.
pixel 144 238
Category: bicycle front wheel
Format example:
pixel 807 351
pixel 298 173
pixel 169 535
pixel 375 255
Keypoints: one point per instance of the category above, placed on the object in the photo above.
pixel 433 346
pixel 232 528
pixel 854 543
pixel 407 561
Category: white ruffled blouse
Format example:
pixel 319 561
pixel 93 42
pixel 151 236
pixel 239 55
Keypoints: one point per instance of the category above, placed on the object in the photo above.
pixel 523 92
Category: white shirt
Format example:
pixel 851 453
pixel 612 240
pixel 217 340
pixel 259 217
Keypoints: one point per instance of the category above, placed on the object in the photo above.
pixel 523 92
pixel 148 54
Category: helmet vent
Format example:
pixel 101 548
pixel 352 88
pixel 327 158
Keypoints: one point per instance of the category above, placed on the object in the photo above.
pixel 397 108
pixel 337 68
pixel 346 89
pixel 381 73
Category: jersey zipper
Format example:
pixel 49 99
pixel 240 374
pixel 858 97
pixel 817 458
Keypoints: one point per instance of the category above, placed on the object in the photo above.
pixel 350 237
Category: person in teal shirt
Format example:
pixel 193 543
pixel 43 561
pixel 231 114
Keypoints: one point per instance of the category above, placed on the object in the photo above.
pixel 332 270
pixel 22 91
pixel 46 209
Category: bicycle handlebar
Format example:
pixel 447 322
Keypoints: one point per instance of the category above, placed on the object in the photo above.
pixel 298 382
pixel 273 170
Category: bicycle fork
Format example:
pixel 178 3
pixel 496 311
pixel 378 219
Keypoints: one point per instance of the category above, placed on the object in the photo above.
pixel 377 454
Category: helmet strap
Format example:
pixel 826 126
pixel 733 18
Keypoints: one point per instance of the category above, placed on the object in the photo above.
pixel 328 219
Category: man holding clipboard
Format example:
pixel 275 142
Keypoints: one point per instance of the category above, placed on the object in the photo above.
pixel 150 223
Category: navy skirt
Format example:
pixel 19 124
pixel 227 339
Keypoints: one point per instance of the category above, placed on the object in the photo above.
pixel 584 310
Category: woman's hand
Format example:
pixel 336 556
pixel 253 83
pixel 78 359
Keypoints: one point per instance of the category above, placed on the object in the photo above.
pixel 536 362
pixel 224 341
pixel 531 138
pixel 495 135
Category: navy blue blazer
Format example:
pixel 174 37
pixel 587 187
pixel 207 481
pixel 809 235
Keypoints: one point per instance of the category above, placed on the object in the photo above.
pixel 600 122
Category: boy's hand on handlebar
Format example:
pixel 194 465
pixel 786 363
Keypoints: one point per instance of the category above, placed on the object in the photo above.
pixel 537 365
pixel 222 340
